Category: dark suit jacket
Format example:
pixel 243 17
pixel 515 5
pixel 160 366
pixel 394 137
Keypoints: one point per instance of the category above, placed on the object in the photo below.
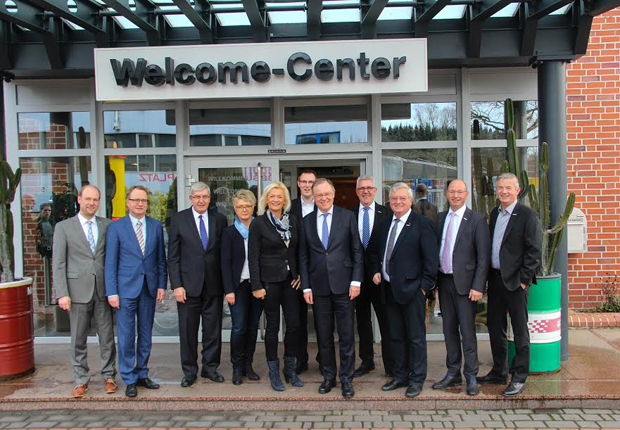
pixel 521 250
pixel 189 265
pixel 270 259
pixel 415 258
pixel 471 256
pixel 233 258
pixel 427 209
pixel 332 270
pixel 296 207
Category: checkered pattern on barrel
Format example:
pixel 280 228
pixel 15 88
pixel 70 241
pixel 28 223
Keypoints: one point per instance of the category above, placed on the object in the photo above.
pixel 545 325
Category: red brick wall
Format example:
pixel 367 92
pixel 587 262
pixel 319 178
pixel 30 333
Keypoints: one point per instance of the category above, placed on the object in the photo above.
pixel 593 127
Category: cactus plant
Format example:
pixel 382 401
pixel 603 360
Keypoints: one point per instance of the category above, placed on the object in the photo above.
pixel 9 181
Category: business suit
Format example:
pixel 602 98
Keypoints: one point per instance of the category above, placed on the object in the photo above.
pixel 469 262
pixel 135 278
pixel 371 295
pixel 329 272
pixel 412 268
pixel 79 274
pixel 519 255
pixel 198 271
pixel 425 208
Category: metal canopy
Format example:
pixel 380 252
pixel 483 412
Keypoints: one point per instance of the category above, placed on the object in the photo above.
pixel 55 38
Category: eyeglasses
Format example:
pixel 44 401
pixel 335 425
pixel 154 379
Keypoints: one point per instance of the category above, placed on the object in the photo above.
pixel 306 182
pixel 366 188
pixel 457 192
pixel 143 201
pixel 205 198
pixel 244 207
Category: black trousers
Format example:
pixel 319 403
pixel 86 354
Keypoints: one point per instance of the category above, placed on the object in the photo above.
pixel 407 325
pixel 209 310
pixel 281 294
pixel 325 308
pixel 459 327
pixel 302 355
pixel 363 312
pixel 501 302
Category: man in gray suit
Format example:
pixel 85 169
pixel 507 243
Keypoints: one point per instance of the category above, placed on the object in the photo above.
pixel 79 256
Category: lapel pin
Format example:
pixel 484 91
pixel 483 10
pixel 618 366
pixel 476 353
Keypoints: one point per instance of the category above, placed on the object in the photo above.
pixel 408 225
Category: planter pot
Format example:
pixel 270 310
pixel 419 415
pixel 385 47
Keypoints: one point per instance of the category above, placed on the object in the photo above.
pixel 545 323
pixel 16 329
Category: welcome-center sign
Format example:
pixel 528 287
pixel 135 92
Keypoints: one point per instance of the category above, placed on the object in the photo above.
pixel 261 70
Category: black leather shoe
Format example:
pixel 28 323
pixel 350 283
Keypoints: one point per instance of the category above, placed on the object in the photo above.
pixel 447 382
pixel 237 378
pixel 250 373
pixel 472 389
pixel 393 384
pixel 364 369
pixel 514 388
pixel 131 390
pixel 301 367
pixel 326 386
pixel 413 391
pixel 147 383
pixel 187 381
pixel 347 390
pixel 215 376
pixel 492 379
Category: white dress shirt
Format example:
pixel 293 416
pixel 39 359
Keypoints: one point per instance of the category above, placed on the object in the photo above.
pixel 360 220
pixel 403 219
pixel 84 223
pixel 306 208
pixel 134 222
pixel 205 216
pixel 245 272
pixel 456 223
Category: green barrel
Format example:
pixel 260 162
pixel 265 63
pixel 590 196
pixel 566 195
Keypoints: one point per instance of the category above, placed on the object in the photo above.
pixel 544 323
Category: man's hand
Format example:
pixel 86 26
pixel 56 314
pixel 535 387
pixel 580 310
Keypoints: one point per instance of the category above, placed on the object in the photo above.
pixel 179 294
pixel 114 302
pixel 474 295
pixel 260 294
pixel 161 295
pixel 523 286
pixel 377 278
pixel 308 297
pixel 354 291
pixel 65 303
pixel 296 283
pixel 230 299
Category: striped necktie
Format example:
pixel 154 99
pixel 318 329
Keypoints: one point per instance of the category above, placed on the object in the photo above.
pixel 91 237
pixel 140 236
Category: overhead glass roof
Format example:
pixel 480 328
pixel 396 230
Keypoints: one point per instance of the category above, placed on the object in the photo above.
pixel 508 11
pixel 451 12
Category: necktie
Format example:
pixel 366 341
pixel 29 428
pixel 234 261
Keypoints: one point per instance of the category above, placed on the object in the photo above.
pixel 140 236
pixel 325 232
pixel 446 257
pixel 366 228
pixel 91 237
pixel 390 245
pixel 204 237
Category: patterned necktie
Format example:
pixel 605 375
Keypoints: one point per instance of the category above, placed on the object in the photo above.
pixel 91 237
pixel 390 246
pixel 140 236
pixel 446 260
pixel 204 237
pixel 366 228
pixel 325 232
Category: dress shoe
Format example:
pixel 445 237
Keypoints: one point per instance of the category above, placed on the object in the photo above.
pixel 237 378
pixel 472 389
pixel 363 370
pixel 215 376
pixel 347 390
pixel 147 383
pixel 301 367
pixel 250 373
pixel 187 381
pixel 393 384
pixel 131 390
pixel 110 386
pixel 514 388
pixel 447 382
pixel 326 386
pixel 492 379
pixel 413 391
pixel 79 391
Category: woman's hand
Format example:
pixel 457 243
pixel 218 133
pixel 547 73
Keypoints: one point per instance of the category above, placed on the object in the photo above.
pixel 296 283
pixel 260 294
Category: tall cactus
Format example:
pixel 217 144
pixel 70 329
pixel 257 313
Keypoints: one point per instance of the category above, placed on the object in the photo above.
pixel 9 182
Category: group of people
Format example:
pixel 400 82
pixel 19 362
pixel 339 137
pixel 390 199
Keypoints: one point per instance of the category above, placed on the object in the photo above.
pixel 291 255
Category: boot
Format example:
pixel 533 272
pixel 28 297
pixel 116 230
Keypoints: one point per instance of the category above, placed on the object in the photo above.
pixel 274 375
pixel 237 378
pixel 289 372
pixel 250 373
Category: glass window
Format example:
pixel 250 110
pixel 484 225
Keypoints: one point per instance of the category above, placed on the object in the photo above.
pixel 326 124
pixel 139 129
pixel 487 120
pixel 230 127
pixel 416 122
pixel 56 130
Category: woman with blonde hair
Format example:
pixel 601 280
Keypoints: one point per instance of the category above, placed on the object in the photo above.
pixel 274 271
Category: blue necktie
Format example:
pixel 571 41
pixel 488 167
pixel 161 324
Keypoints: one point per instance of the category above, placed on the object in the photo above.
pixel 325 235
pixel 366 228
pixel 203 233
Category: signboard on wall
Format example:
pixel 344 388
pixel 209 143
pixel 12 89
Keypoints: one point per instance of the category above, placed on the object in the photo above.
pixel 262 70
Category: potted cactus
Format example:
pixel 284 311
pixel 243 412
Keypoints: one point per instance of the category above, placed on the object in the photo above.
pixel 16 326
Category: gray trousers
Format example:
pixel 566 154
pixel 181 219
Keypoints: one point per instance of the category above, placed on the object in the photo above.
pixel 101 314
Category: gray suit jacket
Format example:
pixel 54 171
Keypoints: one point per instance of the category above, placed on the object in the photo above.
pixel 77 272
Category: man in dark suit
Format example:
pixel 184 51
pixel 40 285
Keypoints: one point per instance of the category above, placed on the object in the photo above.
pixel 369 215
pixel 196 279
pixel 422 205
pixel 464 256
pixel 331 273
pixel 135 276
pixel 406 267
pixel 516 238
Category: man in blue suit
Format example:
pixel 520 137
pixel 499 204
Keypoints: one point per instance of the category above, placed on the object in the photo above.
pixel 135 276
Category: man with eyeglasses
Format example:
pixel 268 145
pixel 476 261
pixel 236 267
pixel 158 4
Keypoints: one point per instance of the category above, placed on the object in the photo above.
pixel 196 279
pixel 135 276
pixel 464 258
pixel 369 216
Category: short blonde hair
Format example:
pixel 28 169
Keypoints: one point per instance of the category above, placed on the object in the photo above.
pixel 262 204
pixel 246 195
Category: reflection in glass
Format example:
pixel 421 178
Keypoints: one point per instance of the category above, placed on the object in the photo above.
pixel 139 129
pixel 230 127
pixel 57 130
pixel 487 120
pixel 417 122
pixel 326 124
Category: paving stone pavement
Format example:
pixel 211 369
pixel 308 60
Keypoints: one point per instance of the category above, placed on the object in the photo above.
pixel 458 419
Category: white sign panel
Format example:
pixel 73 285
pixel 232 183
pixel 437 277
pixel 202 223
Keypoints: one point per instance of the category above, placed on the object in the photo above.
pixel 284 69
